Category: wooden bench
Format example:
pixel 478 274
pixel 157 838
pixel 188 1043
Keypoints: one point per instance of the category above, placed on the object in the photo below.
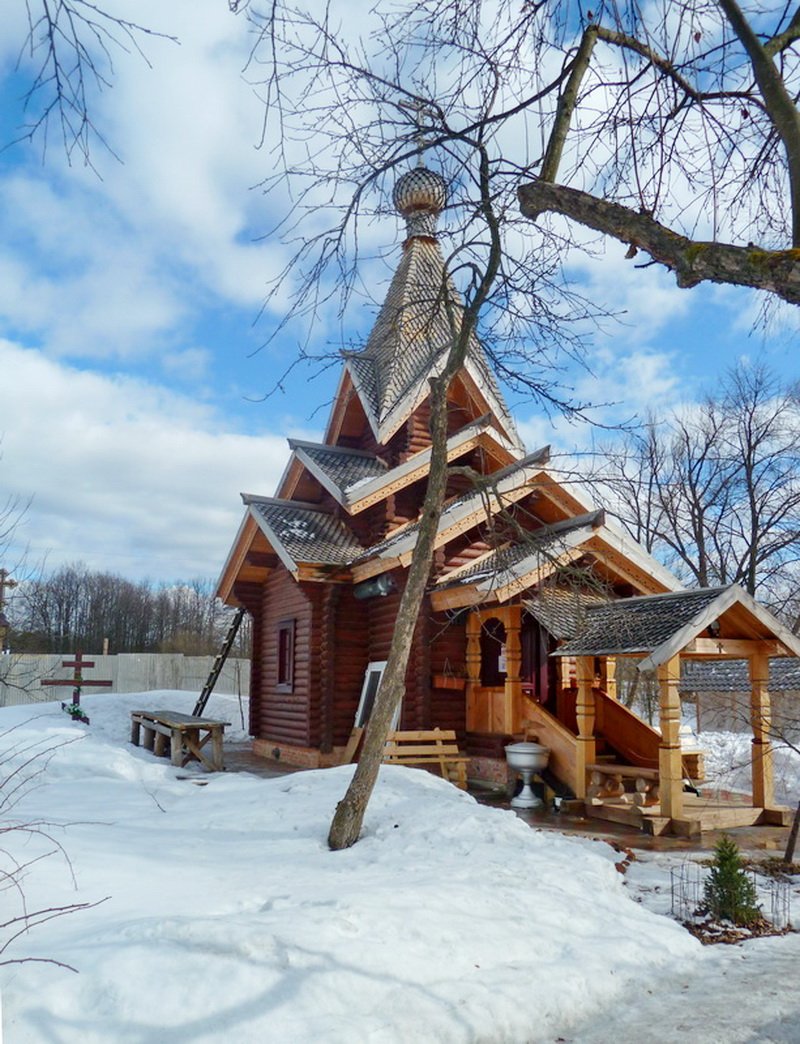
pixel 182 735
pixel 433 747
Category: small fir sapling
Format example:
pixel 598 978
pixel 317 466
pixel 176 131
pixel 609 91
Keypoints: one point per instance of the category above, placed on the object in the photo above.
pixel 729 893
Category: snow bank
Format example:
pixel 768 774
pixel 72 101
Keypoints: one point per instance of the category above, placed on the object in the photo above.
pixel 227 915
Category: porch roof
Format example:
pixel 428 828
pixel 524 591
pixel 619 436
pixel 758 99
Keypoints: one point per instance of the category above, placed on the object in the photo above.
pixel 733 676
pixel 664 625
pixel 561 610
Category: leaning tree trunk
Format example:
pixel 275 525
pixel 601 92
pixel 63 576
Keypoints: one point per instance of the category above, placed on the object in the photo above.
pixel 349 816
pixel 346 826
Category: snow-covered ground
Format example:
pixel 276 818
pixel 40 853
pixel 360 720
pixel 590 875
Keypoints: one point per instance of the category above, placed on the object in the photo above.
pixel 225 916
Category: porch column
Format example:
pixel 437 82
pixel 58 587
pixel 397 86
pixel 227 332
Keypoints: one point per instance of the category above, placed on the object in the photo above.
pixel 513 683
pixel 473 666
pixel 608 676
pixel 670 770
pixel 584 712
pixel 760 717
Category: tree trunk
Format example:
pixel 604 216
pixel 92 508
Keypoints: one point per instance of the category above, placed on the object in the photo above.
pixel 788 855
pixel 349 816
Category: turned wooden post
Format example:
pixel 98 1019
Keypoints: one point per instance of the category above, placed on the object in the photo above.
pixel 584 711
pixel 473 666
pixel 513 682
pixel 608 676
pixel 760 718
pixel 670 770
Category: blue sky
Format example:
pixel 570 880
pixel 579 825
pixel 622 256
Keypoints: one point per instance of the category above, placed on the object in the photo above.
pixel 130 326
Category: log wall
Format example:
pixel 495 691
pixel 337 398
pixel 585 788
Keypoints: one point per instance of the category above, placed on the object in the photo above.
pixel 287 717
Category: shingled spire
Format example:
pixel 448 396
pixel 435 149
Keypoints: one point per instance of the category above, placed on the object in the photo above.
pixel 417 322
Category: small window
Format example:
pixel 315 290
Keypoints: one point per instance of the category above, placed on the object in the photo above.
pixel 285 655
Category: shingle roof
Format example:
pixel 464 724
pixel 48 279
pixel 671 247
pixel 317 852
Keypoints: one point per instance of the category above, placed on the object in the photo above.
pixel 638 624
pixel 503 563
pixel 342 467
pixel 561 610
pixel 409 342
pixel 301 533
pixel 734 675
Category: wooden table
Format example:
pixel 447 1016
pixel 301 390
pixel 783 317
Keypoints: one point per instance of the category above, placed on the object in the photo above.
pixel 184 734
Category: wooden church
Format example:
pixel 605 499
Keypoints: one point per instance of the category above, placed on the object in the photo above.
pixel 533 597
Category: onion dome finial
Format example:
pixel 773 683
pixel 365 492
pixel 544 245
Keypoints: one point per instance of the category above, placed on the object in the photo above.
pixel 420 196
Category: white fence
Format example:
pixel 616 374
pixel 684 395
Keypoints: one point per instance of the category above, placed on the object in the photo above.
pixel 21 675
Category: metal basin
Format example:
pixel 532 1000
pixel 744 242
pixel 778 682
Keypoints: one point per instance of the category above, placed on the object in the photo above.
pixel 527 759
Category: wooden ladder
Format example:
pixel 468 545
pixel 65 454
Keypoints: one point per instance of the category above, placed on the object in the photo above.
pixel 219 662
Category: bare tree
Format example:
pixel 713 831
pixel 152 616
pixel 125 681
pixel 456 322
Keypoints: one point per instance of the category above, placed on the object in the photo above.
pixel 678 134
pixel 75 607
pixel 715 489
pixel 67 57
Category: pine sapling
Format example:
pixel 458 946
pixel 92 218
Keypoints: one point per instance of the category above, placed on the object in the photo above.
pixel 729 893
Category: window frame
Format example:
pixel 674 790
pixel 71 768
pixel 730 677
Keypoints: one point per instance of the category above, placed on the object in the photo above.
pixel 365 703
pixel 285 650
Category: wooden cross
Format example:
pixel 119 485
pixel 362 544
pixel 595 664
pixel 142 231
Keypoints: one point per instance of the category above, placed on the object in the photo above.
pixel 6 583
pixel 77 680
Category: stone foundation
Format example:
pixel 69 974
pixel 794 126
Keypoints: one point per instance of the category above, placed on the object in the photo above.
pixel 304 757
pixel 489 770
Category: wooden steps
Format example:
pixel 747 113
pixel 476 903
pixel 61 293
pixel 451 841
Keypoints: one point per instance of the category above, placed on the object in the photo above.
pixel 700 814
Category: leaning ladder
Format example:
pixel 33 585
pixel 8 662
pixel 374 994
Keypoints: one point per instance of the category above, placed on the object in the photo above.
pixel 219 662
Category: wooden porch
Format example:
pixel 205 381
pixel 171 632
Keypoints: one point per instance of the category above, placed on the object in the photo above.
pixel 585 724
pixel 710 811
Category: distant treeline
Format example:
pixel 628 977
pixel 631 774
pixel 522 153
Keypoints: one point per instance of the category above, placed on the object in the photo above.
pixel 76 608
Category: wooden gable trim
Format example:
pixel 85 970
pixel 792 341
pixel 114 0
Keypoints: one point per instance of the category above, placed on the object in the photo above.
pixel 630 563
pixel 341 401
pixel 402 555
pixel 733 596
pixel 731 648
pixel 290 478
pixel 483 591
pixel 415 467
pixel 247 562
pixel 457 571
pixel 470 378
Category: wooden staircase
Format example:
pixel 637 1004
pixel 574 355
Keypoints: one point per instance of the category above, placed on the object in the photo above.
pixel 623 783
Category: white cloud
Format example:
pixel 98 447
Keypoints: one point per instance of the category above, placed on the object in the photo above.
pixel 125 475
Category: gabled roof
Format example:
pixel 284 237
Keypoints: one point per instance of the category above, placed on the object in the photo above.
pixel 508 570
pixel 301 533
pixel 357 479
pixel 664 625
pixel 337 468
